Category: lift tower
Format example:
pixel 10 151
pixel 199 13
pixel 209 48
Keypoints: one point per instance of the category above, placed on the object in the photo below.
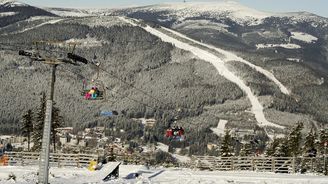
pixel 53 62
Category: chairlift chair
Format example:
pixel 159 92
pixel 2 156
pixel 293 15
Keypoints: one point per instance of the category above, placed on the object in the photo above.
pixel 93 90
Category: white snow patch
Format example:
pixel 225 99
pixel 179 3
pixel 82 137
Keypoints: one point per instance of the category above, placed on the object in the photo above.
pixel 70 13
pixel 42 24
pixel 286 46
pixel 71 175
pixel 304 37
pixel 218 63
pixel 219 130
pixel 294 59
pixel 162 147
pixel 86 42
pixel 6 14
pixel 11 3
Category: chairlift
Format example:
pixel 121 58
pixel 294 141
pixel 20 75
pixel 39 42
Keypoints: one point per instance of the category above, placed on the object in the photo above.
pixel 93 90
pixel 175 134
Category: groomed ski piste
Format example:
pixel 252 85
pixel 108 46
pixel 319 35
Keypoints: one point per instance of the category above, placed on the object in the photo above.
pixel 69 175
pixel 219 64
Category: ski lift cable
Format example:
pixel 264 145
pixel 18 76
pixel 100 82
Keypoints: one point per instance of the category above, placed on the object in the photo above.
pixel 137 101
pixel 19 45
pixel 131 85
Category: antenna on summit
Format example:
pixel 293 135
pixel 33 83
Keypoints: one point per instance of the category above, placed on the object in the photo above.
pixel 184 1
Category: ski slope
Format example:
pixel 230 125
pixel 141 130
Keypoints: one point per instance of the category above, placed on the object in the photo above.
pixel 39 25
pixel 71 175
pixel 218 63
pixel 232 57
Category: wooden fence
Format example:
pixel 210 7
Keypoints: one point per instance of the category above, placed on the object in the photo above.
pixel 55 159
pixel 262 164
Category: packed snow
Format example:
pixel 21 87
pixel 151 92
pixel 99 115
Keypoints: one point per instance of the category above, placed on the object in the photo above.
pixel 294 59
pixel 6 14
pixel 219 130
pixel 286 46
pixel 304 37
pixel 42 24
pixel 218 63
pixel 232 57
pixel 69 12
pixel 28 174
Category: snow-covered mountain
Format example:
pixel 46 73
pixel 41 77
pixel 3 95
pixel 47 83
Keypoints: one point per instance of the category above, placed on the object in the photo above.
pixel 261 68
pixel 14 11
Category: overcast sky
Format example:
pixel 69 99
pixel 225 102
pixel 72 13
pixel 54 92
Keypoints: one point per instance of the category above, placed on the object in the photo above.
pixel 319 7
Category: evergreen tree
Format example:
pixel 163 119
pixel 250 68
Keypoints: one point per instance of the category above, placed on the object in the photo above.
pixel 323 140
pixel 294 140
pixel 57 121
pixel 226 149
pixel 246 150
pixel 273 147
pixel 309 143
pixel 27 126
pixel 282 150
pixel 38 124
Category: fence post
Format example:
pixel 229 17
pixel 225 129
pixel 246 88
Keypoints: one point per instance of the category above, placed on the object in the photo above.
pixel 273 164
pixel 232 165
pixel 78 160
pixel 293 165
pixel 253 164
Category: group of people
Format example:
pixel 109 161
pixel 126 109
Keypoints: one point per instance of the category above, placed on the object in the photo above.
pixel 92 94
pixel 175 133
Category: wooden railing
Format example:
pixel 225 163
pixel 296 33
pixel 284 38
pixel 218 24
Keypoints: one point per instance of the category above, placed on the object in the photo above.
pixel 261 164
pixel 56 159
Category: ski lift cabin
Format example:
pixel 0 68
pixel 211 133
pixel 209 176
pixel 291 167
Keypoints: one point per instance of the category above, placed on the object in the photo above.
pixel 175 134
pixel 93 90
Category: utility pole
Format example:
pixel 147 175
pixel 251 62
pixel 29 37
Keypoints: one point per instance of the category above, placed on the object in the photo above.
pixel 45 148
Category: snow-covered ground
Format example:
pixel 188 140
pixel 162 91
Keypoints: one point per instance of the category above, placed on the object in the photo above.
pixel 219 64
pixel 69 12
pixel 214 9
pixel 286 46
pixel 27 175
pixel 304 37
pixel 219 130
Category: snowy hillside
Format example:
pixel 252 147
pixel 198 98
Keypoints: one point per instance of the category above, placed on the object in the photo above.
pixel 231 9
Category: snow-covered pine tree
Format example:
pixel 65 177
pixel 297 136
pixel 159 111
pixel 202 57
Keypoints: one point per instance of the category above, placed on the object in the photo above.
pixel 246 150
pixel 273 146
pixel 309 144
pixel 57 121
pixel 294 140
pixel 282 150
pixel 27 126
pixel 226 146
pixel 38 124
pixel 323 140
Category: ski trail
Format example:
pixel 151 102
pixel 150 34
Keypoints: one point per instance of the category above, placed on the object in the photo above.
pixel 257 108
pixel 232 57
pixel 42 24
